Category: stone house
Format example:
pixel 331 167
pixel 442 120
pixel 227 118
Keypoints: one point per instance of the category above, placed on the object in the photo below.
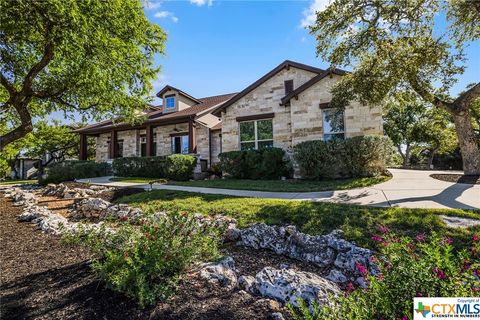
pixel 286 106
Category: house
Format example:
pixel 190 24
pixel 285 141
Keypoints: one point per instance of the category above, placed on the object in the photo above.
pixel 288 105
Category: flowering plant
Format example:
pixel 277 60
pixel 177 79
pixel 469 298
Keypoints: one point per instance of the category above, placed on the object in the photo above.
pixel 426 266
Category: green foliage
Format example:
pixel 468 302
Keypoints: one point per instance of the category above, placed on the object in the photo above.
pixel 408 268
pixel 353 157
pixel 145 258
pixel 180 167
pixel 91 57
pixel 358 222
pixel 266 163
pixel 151 167
pixel 175 166
pixel 70 170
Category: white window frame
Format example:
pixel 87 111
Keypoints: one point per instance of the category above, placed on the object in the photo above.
pixel 166 104
pixel 256 141
pixel 332 133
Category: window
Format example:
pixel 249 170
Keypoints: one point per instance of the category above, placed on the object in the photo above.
pixel 180 144
pixel 333 124
pixel 288 86
pixel 119 149
pixel 169 102
pixel 256 134
pixel 143 145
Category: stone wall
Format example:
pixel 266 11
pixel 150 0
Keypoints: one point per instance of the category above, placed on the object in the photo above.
pixel 102 146
pixel 203 141
pixel 164 142
pixel 130 140
pixel 302 120
pixel 216 145
pixel 264 99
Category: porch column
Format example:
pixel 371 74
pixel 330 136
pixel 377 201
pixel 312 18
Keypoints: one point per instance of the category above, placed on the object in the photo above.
pixel 113 144
pixel 83 147
pixel 192 139
pixel 149 144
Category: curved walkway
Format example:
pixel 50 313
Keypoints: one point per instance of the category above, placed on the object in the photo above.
pixel 407 188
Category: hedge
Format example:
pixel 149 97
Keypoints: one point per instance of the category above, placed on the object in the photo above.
pixel 174 167
pixel 71 170
pixel 365 156
pixel 267 163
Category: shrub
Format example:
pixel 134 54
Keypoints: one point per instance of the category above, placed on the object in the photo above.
pixel 408 268
pixel 353 157
pixel 267 163
pixel 70 170
pixel 150 167
pixel 144 259
pixel 180 167
pixel 175 166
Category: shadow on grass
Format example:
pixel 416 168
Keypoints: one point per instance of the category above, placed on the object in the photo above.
pixel 70 292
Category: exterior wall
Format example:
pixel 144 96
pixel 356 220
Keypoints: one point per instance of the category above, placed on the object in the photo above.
pixel 181 102
pixel 102 145
pixel 264 99
pixel 130 141
pixel 216 145
pixel 303 119
pixel 203 142
pixel 164 144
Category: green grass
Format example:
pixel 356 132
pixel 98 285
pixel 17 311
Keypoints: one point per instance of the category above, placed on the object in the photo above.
pixel 136 179
pixel 358 222
pixel 7 182
pixel 284 185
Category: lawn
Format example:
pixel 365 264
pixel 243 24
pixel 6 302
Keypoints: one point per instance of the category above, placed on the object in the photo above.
pixel 358 222
pixel 137 179
pixel 284 185
pixel 7 182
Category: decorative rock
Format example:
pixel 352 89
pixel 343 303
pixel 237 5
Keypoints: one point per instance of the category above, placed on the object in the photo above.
pixel 222 272
pixel 337 276
pixel 247 283
pixel 268 304
pixel 287 286
pixel 277 316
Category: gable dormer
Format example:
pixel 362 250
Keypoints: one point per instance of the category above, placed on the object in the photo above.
pixel 175 100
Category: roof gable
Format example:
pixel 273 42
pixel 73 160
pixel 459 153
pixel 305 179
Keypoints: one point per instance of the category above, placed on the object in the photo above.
pixel 286 64
pixel 183 93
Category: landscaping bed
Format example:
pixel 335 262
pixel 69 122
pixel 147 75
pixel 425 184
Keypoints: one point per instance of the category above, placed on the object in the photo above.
pixel 289 185
pixel 457 178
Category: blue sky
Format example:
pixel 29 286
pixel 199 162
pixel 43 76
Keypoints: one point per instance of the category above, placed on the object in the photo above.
pixel 222 46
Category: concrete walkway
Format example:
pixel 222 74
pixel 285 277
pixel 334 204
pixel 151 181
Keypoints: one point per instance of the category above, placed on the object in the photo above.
pixel 407 188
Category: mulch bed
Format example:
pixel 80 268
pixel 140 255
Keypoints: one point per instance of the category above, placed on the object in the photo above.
pixel 42 278
pixel 457 178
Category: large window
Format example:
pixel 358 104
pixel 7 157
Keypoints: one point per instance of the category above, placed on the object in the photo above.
pixel 180 144
pixel 256 134
pixel 333 124
pixel 143 145
pixel 170 102
pixel 119 149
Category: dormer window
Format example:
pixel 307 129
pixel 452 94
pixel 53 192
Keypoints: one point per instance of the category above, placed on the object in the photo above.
pixel 170 102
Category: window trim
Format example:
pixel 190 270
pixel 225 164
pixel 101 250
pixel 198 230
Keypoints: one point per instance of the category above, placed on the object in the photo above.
pixel 332 133
pixel 255 131
pixel 180 136
pixel 174 102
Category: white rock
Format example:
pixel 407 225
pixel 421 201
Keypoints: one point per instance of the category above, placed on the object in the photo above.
pixel 222 272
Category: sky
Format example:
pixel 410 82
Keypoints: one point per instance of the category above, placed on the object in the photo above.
pixel 216 47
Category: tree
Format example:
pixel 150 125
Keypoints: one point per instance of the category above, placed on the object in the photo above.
pixel 391 45
pixel 91 57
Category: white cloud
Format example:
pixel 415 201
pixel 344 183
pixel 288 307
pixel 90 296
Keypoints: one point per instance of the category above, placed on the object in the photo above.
pixel 166 14
pixel 202 2
pixel 152 4
pixel 310 14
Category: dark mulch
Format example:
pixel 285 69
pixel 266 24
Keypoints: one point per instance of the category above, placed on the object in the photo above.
pixel 42 278
pixel 457 178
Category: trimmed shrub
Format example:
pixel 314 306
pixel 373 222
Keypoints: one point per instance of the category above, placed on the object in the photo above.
pixel 175 167
pixel 267 163
pixel 145 258
pixel 365 156
pixel 150 167
pixel 71 170
pixel 180 167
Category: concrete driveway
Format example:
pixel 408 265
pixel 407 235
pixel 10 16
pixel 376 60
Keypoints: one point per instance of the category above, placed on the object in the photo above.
pixel 407 188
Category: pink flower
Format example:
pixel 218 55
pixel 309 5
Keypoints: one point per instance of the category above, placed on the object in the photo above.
pixel 418 294
pixel 377 238
pixel 404 318
pixel 388 265
pixel 466 265
pixel 361 268
pixel 440 274
pixel 420 237
pixel 475 289
pixel 446 241
pixel 349 288
pixel 383 228
pixel 475 237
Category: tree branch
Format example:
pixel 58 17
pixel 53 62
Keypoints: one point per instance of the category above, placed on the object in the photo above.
pixel 3 80
pixel 466 98
pixel 428 96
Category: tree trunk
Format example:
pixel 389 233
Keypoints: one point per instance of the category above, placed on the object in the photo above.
pixel 432 154
pixel 468 143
